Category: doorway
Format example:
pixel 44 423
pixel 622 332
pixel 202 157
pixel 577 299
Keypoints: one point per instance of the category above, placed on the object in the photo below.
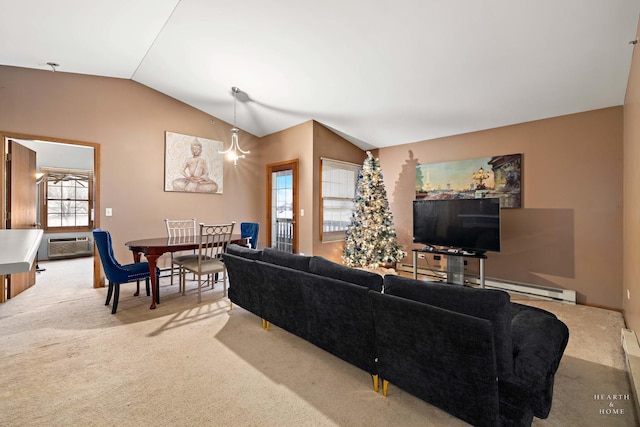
pixel 59 150
pixel 282 205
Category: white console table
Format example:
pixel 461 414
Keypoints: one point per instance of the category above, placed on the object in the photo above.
pixel 18 250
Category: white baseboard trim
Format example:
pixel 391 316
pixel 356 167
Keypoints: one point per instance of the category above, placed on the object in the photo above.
pixel 564 295
pixel 632 356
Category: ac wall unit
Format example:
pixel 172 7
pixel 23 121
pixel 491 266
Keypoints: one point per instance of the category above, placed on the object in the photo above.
pixel 70 247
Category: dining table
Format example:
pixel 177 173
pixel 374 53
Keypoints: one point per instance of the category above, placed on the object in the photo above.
pixel 153 248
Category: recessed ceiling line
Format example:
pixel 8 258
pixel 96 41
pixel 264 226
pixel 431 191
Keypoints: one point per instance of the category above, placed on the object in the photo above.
pixel 155 39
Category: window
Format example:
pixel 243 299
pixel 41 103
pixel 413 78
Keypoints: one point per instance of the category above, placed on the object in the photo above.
pixel 67 200
pixel 339 181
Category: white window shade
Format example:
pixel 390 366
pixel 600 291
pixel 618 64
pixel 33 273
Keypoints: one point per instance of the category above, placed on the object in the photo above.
pixel 339 181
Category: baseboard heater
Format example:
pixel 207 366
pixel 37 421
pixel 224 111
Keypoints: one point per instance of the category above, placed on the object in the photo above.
pixel 69 247
pixel 555 294
pixel 632 356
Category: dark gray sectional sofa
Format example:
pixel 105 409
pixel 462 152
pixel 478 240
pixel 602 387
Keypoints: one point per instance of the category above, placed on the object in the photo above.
pixel 471 352
pixel 325 303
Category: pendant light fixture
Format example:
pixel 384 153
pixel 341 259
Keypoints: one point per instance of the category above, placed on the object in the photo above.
pixel 233 150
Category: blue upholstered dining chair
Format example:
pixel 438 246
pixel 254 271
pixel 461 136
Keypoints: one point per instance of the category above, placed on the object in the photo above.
pixel 117 273
pixel 250 230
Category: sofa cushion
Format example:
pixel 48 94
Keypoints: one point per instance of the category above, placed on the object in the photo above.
pixel 244 252
pixel 285 259
pixel 324 267
pixel 489 304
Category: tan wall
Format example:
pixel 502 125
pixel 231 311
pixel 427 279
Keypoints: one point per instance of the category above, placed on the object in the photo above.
pixel 291 144
pixel 308 142
pixel 327 144
pixel 568 234
pixel 631 254
pixel 128 120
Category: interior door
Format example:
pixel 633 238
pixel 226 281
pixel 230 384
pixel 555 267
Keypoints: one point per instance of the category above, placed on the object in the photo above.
pixel 21 204
pixel 282 205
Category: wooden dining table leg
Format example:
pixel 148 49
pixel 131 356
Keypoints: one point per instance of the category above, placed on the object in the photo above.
pixel 155 286
pixel 136 258
pixel 155 289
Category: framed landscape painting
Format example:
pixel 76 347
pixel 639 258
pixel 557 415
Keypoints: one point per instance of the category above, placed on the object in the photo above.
pixel 192 164
pixel 496 176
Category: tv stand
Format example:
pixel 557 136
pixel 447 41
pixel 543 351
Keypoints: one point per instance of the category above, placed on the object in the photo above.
pixel 455 263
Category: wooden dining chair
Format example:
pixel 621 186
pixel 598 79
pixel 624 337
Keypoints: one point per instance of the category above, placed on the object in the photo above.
pixel 180 230
pixel 214 239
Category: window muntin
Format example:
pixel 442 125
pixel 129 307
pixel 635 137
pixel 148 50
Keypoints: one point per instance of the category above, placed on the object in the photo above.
pixel 67 201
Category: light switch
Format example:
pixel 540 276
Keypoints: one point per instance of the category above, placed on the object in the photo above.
pixel 108 212
pixel 301 212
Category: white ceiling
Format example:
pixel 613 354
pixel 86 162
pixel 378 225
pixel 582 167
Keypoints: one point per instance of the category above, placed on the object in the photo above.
pixel 380 73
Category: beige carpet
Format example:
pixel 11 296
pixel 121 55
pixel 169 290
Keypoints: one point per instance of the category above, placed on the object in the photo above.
pixel 66 361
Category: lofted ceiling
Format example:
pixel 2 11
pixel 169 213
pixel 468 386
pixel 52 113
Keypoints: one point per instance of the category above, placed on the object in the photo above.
pixel 379 73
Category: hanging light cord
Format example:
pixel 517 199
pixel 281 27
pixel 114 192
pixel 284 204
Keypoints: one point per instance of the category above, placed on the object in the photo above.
pixel 235 146
pixel 235 102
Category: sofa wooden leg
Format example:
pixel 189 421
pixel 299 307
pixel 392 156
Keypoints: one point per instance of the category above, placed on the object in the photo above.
pixel 230 306
pixel 376 384
pixel 265 325
pixel 385 386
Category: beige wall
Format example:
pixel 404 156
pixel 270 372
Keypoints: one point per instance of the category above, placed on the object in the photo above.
pixel 327 144
pixel 128 121
pixel 631 254
pixel 568 234
pixel 309 142
pixel 291 144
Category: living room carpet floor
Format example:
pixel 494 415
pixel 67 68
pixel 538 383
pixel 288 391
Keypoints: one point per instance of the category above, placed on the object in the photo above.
pixel 65 360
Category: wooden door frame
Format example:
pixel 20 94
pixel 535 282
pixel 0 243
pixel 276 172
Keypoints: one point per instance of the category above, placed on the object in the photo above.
pixel 277 167
pixel 98 279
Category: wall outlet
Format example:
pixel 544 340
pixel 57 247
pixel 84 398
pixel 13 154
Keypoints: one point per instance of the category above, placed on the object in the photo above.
pixel 108 212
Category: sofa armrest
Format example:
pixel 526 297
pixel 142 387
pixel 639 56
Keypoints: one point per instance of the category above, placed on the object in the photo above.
pixel 539 340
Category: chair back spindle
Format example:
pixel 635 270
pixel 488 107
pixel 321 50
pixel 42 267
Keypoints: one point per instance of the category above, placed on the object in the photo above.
pixel 214 239
pixel 180 230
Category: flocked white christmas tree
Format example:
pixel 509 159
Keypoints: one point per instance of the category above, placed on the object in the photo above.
pixel 371 238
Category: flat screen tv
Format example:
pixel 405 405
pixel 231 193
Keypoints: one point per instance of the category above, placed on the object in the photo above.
pixel 467 224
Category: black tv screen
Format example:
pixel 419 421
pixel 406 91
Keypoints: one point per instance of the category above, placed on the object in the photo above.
pixel 467 224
